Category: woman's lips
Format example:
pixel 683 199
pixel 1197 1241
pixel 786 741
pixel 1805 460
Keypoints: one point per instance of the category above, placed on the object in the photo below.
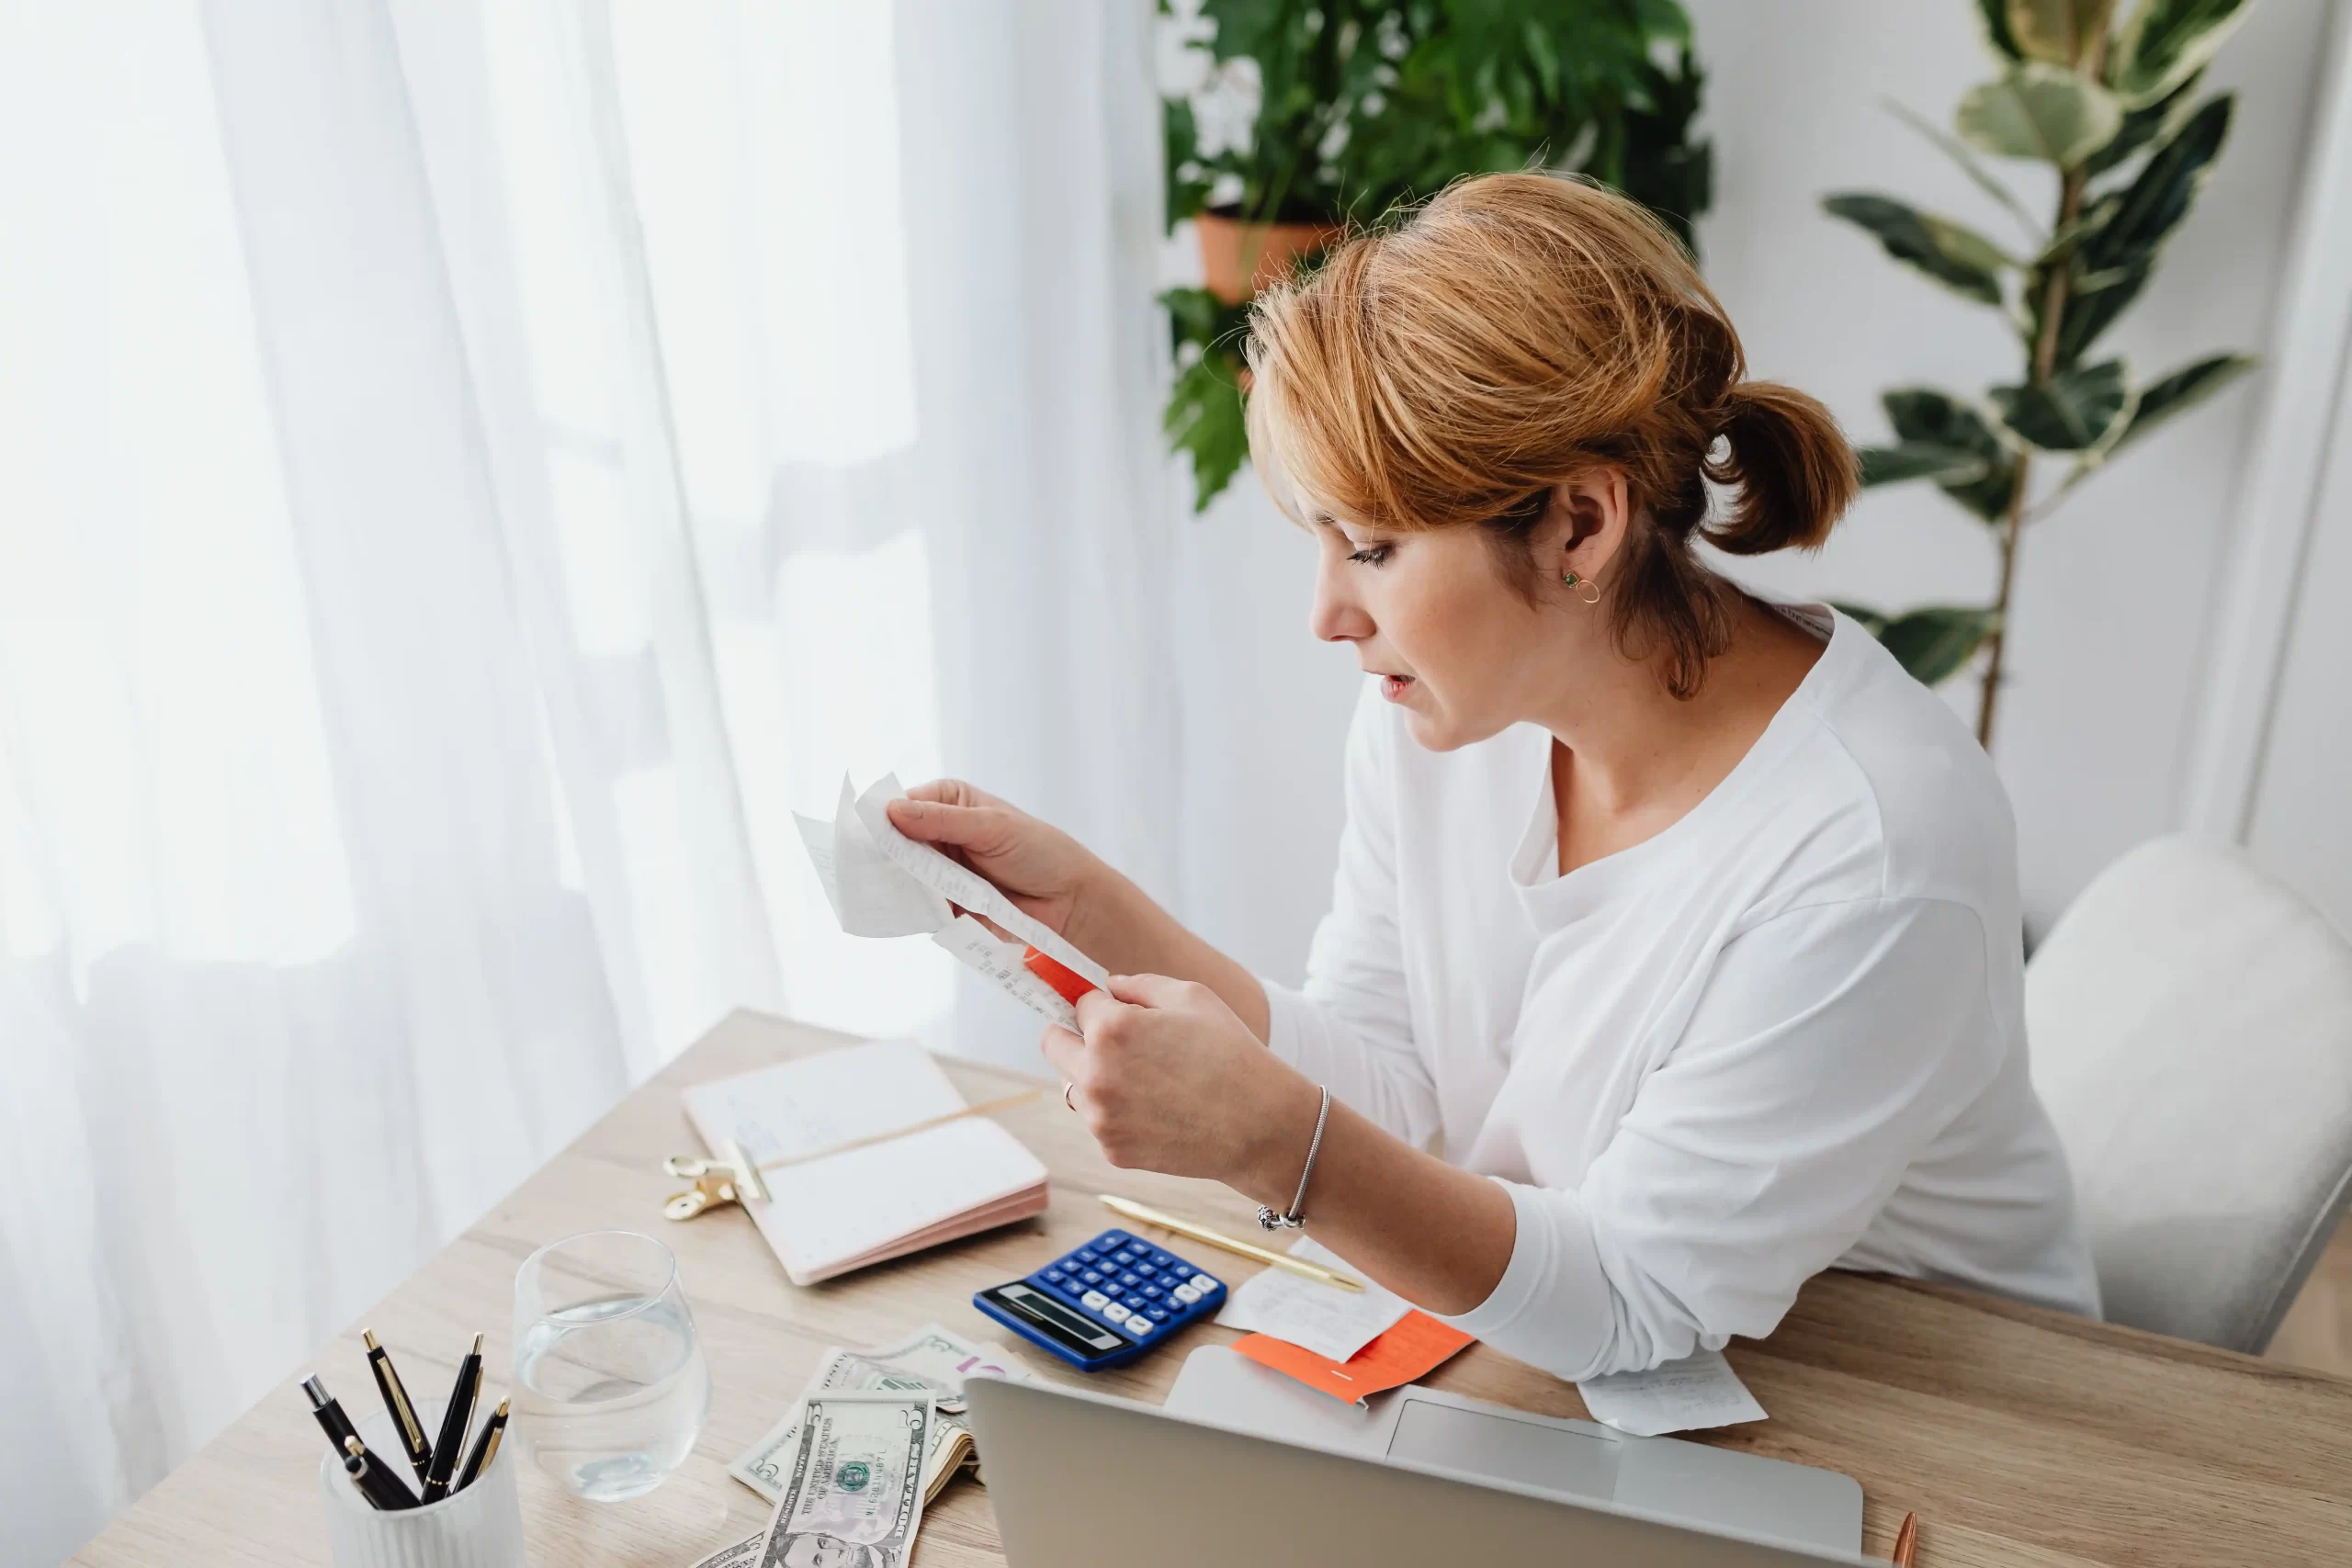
pixel 1393 687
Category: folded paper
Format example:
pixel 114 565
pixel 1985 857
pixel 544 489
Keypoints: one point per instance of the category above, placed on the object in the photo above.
pixel 881 882
pixel 1681 1396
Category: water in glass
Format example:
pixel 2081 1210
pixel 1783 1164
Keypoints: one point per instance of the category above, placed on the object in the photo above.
pixel 610 1387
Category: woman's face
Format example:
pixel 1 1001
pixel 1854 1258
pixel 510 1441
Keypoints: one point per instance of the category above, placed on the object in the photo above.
pixel 1455 644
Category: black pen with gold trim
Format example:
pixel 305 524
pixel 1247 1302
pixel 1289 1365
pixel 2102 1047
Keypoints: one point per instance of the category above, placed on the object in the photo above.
pixel 379 1486
pixel 451 1444
pixel 405 1424
pixel 485 1448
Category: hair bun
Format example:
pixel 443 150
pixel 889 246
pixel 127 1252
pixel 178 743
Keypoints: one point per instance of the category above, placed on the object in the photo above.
pixel 1793 469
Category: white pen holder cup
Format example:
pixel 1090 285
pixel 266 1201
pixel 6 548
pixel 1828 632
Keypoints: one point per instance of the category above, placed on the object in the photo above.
pixel 480 1526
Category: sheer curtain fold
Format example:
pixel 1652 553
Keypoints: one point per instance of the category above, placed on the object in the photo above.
pixel 466 472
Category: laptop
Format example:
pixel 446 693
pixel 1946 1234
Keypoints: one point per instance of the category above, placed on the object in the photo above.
pixel 1425 1477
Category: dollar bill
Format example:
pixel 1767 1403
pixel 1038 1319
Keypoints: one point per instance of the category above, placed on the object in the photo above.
pixel 853 1495
pixel 932 1358
pixel 743 1554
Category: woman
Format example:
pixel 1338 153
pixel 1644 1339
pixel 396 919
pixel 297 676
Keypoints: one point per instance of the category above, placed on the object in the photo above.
pixel 1681 925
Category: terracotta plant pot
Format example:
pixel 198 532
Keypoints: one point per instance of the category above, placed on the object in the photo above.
pixel 1238 259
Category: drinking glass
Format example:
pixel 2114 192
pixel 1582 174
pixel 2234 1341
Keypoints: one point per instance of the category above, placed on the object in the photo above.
pixel 611 1388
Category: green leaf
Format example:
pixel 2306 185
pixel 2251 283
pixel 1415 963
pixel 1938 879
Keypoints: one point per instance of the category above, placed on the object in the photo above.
pixel 2167 41
pixel 1924 416
pixel 2125 228
pixel 2041 111
pixel 2071 412
pixel 2154 122
pixel 2115 247
pixel 1994 14
pixel 1958 152
pixel 2059 32
pixel 1935 642
pixel 1204 418
pixel 2180 391
pixel 1953 254
pixel 1920 460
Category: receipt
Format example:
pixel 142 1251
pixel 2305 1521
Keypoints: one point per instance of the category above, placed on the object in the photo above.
pixel 1698 1391
pixel 881 882
pixel 1332 1323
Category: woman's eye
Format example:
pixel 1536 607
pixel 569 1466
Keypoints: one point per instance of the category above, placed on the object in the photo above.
pixel 1371 554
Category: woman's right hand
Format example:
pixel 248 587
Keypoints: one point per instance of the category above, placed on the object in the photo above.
pixel 1046 872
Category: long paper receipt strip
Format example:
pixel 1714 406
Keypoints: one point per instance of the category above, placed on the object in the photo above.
pixel 881 882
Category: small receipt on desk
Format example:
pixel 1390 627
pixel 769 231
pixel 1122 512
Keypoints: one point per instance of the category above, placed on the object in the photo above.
pixel 1681 1396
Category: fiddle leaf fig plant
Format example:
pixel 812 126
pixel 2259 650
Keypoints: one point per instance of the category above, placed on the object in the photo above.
pixel 2117 113
pixel 1323 112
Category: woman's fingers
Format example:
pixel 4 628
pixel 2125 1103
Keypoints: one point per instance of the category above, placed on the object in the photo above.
pixel 948 792
pixel 1151 990
pixel 1065 1051
pixel 944 822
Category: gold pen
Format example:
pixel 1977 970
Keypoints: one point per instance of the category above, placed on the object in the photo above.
pixel 1299 1266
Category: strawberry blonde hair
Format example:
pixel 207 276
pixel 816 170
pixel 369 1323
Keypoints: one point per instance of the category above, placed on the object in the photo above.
pixel 1520 331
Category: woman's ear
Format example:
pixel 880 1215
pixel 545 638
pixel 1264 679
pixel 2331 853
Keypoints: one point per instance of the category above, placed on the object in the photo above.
pixel 1589 516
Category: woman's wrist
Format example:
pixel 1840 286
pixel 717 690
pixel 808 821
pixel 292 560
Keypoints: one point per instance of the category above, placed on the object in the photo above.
pixel 1272 1155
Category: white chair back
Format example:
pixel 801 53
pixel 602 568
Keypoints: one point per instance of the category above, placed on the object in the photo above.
pixel 2190 1021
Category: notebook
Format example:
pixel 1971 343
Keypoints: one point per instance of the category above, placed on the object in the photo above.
pixel 831 1215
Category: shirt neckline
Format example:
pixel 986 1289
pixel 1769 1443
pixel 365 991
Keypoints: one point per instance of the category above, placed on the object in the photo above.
pixel 1552 899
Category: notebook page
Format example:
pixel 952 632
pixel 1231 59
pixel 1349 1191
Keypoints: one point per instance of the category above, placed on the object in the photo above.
pixel 854 1202
pixel 801 1107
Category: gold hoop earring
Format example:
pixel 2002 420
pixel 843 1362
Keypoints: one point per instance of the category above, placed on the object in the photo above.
pixel 1572 582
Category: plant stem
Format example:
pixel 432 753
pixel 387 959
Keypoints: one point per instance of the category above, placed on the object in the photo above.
pixel 2043 366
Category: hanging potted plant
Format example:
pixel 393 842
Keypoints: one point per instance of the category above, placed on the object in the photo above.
pixel 1301 116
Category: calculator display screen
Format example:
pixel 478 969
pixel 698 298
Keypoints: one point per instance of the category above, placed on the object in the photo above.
pixel 1050 1317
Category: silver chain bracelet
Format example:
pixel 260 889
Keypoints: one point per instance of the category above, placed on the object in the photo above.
pixel 1292 1220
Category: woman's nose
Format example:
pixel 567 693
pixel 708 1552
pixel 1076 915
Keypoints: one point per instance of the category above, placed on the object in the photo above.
pixel 1336 615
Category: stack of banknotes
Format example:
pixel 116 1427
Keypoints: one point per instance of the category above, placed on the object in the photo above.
pixel 872 1439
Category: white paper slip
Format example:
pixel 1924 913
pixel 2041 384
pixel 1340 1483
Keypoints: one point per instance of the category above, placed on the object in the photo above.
pixel 881 882
pixel 1681 1396
pixel 1333 1323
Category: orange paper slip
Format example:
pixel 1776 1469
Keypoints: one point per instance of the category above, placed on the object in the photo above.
pixel 1417 1345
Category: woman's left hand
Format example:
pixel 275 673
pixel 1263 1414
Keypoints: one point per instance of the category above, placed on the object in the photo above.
pixel 1168 1079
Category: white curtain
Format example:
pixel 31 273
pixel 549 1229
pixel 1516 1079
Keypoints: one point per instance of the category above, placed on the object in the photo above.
pixel 466 471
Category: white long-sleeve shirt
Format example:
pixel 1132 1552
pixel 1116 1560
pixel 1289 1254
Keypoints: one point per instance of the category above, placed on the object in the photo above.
pixel 1785 1033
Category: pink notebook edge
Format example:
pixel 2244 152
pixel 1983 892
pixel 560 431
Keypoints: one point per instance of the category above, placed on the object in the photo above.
pixel 1003 1209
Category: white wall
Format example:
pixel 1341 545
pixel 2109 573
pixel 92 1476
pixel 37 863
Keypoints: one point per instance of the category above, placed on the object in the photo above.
pixel 2114 596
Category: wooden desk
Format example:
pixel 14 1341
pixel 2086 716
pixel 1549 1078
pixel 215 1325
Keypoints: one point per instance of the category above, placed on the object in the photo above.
pixel 2022 1436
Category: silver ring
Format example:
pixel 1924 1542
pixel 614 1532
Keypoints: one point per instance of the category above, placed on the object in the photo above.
pixel 1068 1089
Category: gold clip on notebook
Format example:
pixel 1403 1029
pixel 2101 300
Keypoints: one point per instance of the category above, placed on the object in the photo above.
pixel 880 1199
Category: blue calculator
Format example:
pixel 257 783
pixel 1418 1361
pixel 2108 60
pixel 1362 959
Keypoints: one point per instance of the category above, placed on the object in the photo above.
pixel 1106 1303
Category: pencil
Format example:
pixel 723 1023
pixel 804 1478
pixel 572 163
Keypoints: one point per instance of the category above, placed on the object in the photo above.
pixel 1300 1266
pixel 1906 1541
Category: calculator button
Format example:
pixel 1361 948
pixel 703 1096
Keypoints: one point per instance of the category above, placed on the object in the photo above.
pixel 1134 1304
pixel 1089 1278
pixel 1130 1280
pixel 1202 1283
pixel 1085 1255
pixel 1052 1276
pixel 1157 1313
pixel 1114 1312
pixel 1111 1239
pixel 1153 1293
pixel 1186 1294
pixel 1161 1261
pixel 1139 1325
pixel 1094 1301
